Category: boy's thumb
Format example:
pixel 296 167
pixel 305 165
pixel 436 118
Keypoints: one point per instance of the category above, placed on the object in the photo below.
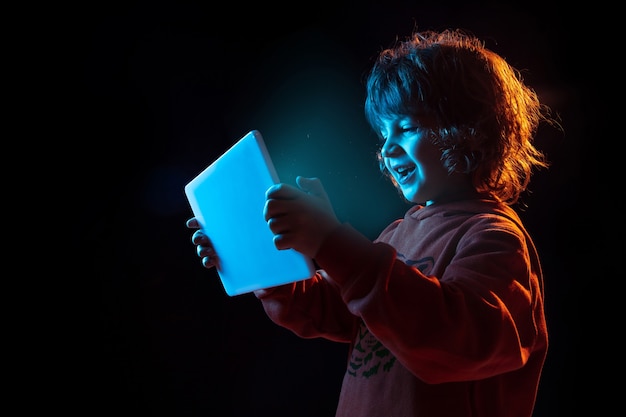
pixel 311 185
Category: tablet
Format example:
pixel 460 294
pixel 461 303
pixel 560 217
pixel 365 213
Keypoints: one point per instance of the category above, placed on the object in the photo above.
pixel 228 198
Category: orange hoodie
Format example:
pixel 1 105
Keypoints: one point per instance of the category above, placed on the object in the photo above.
pixel 443 312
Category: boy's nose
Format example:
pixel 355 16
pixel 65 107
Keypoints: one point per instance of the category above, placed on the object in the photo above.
pixel 390 149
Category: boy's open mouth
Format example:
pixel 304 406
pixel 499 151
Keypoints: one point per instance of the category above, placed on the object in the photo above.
pixel 403 172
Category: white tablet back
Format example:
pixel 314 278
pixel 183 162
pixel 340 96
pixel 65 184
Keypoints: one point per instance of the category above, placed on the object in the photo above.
pixel 228 198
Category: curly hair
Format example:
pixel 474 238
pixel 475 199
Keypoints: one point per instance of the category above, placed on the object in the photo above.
pixel 479 111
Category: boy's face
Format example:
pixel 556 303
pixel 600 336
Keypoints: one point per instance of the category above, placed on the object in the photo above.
pixel 415 164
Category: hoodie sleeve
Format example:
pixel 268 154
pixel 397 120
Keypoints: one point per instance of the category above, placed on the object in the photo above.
pixel 311 308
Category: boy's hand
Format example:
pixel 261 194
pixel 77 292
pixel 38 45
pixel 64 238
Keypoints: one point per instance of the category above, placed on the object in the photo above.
pixel 300 218
pixel 204 248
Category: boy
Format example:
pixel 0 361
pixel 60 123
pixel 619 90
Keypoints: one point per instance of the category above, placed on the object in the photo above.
pixel 444 311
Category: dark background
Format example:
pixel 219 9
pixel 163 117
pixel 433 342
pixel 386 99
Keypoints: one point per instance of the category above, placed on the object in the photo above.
pixel 168 86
